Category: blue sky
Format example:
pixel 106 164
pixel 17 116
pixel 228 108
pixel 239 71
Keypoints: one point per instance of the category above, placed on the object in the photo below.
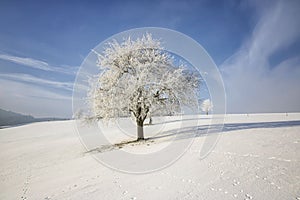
pixel 255 44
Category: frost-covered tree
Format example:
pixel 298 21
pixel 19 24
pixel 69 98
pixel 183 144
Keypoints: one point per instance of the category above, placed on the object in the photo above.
pixel 138 78
pixel 206 106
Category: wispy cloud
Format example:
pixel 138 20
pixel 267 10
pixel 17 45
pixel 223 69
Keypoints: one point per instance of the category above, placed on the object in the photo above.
pixel 38 64
pixel 31 99
pixel 252 84
pixel 38 81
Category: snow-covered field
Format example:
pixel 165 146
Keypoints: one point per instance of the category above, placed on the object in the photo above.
pixel 256 157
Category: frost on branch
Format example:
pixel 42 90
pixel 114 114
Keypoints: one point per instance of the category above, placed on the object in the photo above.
pixel 139 78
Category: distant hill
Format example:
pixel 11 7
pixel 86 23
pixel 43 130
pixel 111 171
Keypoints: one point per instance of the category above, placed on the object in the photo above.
pixel 8 118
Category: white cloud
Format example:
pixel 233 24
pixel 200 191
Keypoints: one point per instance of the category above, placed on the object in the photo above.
pixel 30 99
pixel 252 85
pixel 33 95
pixel 32 79
pixel 38 64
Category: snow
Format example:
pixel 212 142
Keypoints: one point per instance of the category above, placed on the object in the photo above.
pixel 256 157
pixel 137 78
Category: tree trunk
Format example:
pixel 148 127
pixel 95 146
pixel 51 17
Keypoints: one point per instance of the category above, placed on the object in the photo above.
pixel 140 130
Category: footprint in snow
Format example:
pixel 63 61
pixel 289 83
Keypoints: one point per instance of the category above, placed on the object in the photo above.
pixel 248 196
pixel 235 182
pixel 26 186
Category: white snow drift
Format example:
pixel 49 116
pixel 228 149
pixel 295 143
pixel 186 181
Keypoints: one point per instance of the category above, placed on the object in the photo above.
pixel 257 157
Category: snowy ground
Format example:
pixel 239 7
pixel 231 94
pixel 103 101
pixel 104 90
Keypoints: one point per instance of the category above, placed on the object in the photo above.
pixel 257 157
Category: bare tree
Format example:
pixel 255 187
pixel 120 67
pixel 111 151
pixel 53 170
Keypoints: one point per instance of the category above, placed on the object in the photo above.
pixel 138 77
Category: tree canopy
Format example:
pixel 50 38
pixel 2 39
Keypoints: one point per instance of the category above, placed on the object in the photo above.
pixel 139 77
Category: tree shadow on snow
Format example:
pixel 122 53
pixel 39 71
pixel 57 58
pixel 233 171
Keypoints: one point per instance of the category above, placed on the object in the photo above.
pixel 201 130
pixel 178 120
pixel 197 131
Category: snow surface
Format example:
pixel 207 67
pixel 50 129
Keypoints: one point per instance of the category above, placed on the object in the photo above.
pixel 257 157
